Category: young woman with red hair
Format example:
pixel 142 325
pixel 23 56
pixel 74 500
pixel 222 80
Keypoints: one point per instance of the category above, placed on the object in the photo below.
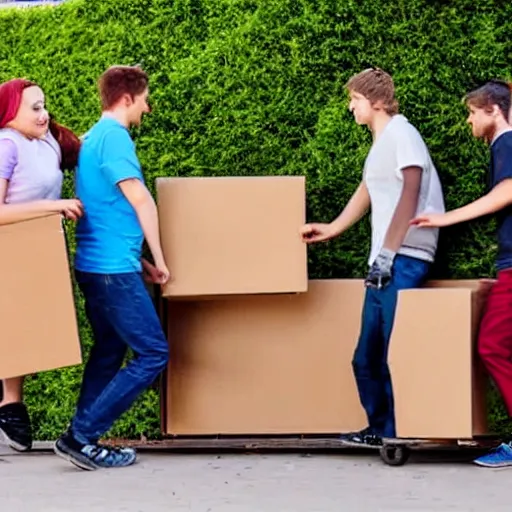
pixel 34 150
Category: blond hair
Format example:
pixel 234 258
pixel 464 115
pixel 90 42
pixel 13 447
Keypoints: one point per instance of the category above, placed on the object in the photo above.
pixel 377 86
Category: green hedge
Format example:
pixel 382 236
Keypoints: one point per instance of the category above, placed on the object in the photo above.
pixel 242 87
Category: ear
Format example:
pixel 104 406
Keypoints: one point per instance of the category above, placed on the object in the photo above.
pixel 496 111
pixel 127 100
pixel 378 105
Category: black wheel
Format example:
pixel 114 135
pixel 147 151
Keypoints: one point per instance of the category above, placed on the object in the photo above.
pixel 394 455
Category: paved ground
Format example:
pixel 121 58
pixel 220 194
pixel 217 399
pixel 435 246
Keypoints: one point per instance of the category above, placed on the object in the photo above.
pixel 41 482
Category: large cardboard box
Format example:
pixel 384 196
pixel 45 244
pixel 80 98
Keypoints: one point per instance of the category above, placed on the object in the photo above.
pixel 438 381
pixel 233 235
pixel 265 364
pixel 37 311
pixel 282 364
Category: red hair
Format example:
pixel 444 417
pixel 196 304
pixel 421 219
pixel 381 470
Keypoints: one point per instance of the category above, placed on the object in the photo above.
pixel 69 144
pixel 11 93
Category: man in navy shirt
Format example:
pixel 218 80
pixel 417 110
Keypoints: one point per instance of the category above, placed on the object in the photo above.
pixel 489 108
pixel 119 214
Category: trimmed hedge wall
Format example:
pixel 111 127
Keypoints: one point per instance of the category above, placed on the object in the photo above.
pixel 242 87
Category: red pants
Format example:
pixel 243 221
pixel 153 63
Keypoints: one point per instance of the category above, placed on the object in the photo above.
pixel 495 337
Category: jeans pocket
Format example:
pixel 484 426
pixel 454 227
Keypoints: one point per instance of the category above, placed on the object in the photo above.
pixel 409 272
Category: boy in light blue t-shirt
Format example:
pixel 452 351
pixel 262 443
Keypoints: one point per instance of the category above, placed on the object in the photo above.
pixel 119 214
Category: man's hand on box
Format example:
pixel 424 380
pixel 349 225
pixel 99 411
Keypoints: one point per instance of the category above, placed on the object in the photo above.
pixel 157 274
pixel 380 275
pixel 317 232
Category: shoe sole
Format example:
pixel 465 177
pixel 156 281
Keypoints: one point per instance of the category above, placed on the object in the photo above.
pixel 79 462
pixel 355 444
pixel 13 444
pixel 493 466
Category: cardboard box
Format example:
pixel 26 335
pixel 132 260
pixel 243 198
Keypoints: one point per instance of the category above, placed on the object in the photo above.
pixel 39 328
pixel 282 364
pixel 265 364
pixel 233 235
pixel 439 383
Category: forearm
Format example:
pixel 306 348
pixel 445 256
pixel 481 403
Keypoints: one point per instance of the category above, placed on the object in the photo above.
pixel 495 200
pixel 405 209
pixel 355 209
pixel 12 213
pixel 147 214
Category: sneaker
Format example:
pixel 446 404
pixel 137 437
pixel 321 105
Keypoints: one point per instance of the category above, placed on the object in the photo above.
pixel 365 437
pixel 500 457
pixel 93 456
pixel 15 427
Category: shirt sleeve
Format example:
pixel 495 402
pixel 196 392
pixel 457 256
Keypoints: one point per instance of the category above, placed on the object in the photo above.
pixel 410 151
pixel 502 159
pixel 8 158
pixel 119 161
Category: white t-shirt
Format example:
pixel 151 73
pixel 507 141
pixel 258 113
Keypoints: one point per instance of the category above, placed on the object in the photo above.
pixel 400 145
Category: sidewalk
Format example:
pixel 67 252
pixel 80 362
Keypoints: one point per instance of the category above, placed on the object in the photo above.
pixel 41 482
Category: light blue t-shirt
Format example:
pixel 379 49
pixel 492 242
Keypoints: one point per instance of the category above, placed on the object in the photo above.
pixel 109 236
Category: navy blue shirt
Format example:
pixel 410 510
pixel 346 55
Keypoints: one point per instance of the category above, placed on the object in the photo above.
pixel 501 169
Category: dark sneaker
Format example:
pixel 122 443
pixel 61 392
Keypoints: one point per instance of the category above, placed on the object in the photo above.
pixel 365 437
pixel 15 427
pixel 93 456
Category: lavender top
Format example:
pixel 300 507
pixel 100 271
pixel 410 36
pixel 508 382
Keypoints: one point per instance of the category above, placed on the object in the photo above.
pixel 32 167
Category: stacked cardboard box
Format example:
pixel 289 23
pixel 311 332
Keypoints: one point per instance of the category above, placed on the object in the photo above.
pixel 257 349
pixel 233 236
pixel 263 364
pixel 438 381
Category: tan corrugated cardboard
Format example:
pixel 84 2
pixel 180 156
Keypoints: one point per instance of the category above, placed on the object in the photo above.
pixel 37 311
pixel 265 364
pixel 438 381
pixel 233 235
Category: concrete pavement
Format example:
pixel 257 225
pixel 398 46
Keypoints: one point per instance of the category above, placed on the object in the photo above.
pixel 41 482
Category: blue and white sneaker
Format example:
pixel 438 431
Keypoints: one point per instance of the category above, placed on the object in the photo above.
pixel 93 456
pixel 500 457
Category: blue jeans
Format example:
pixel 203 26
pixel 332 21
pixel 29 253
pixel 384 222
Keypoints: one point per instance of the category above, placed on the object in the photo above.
pixel 370 358
pixel 122 315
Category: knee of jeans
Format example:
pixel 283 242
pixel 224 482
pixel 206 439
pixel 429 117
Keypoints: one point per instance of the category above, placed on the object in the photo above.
pixel 384 369
pixel 360 364
pixel 160 357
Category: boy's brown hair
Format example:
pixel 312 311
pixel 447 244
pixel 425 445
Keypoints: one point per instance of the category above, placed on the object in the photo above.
pixel 119 80
pixel 377 86
pixel 494 92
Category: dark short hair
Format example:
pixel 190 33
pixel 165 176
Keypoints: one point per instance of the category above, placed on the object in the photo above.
pixel 119 80
pixel 494 92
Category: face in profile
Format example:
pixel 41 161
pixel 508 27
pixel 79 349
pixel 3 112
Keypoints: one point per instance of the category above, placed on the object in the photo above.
pixel 138 107
pixel 361 108
pixel 482 122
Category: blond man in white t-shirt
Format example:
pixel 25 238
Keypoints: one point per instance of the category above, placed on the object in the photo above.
pixel 399 180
